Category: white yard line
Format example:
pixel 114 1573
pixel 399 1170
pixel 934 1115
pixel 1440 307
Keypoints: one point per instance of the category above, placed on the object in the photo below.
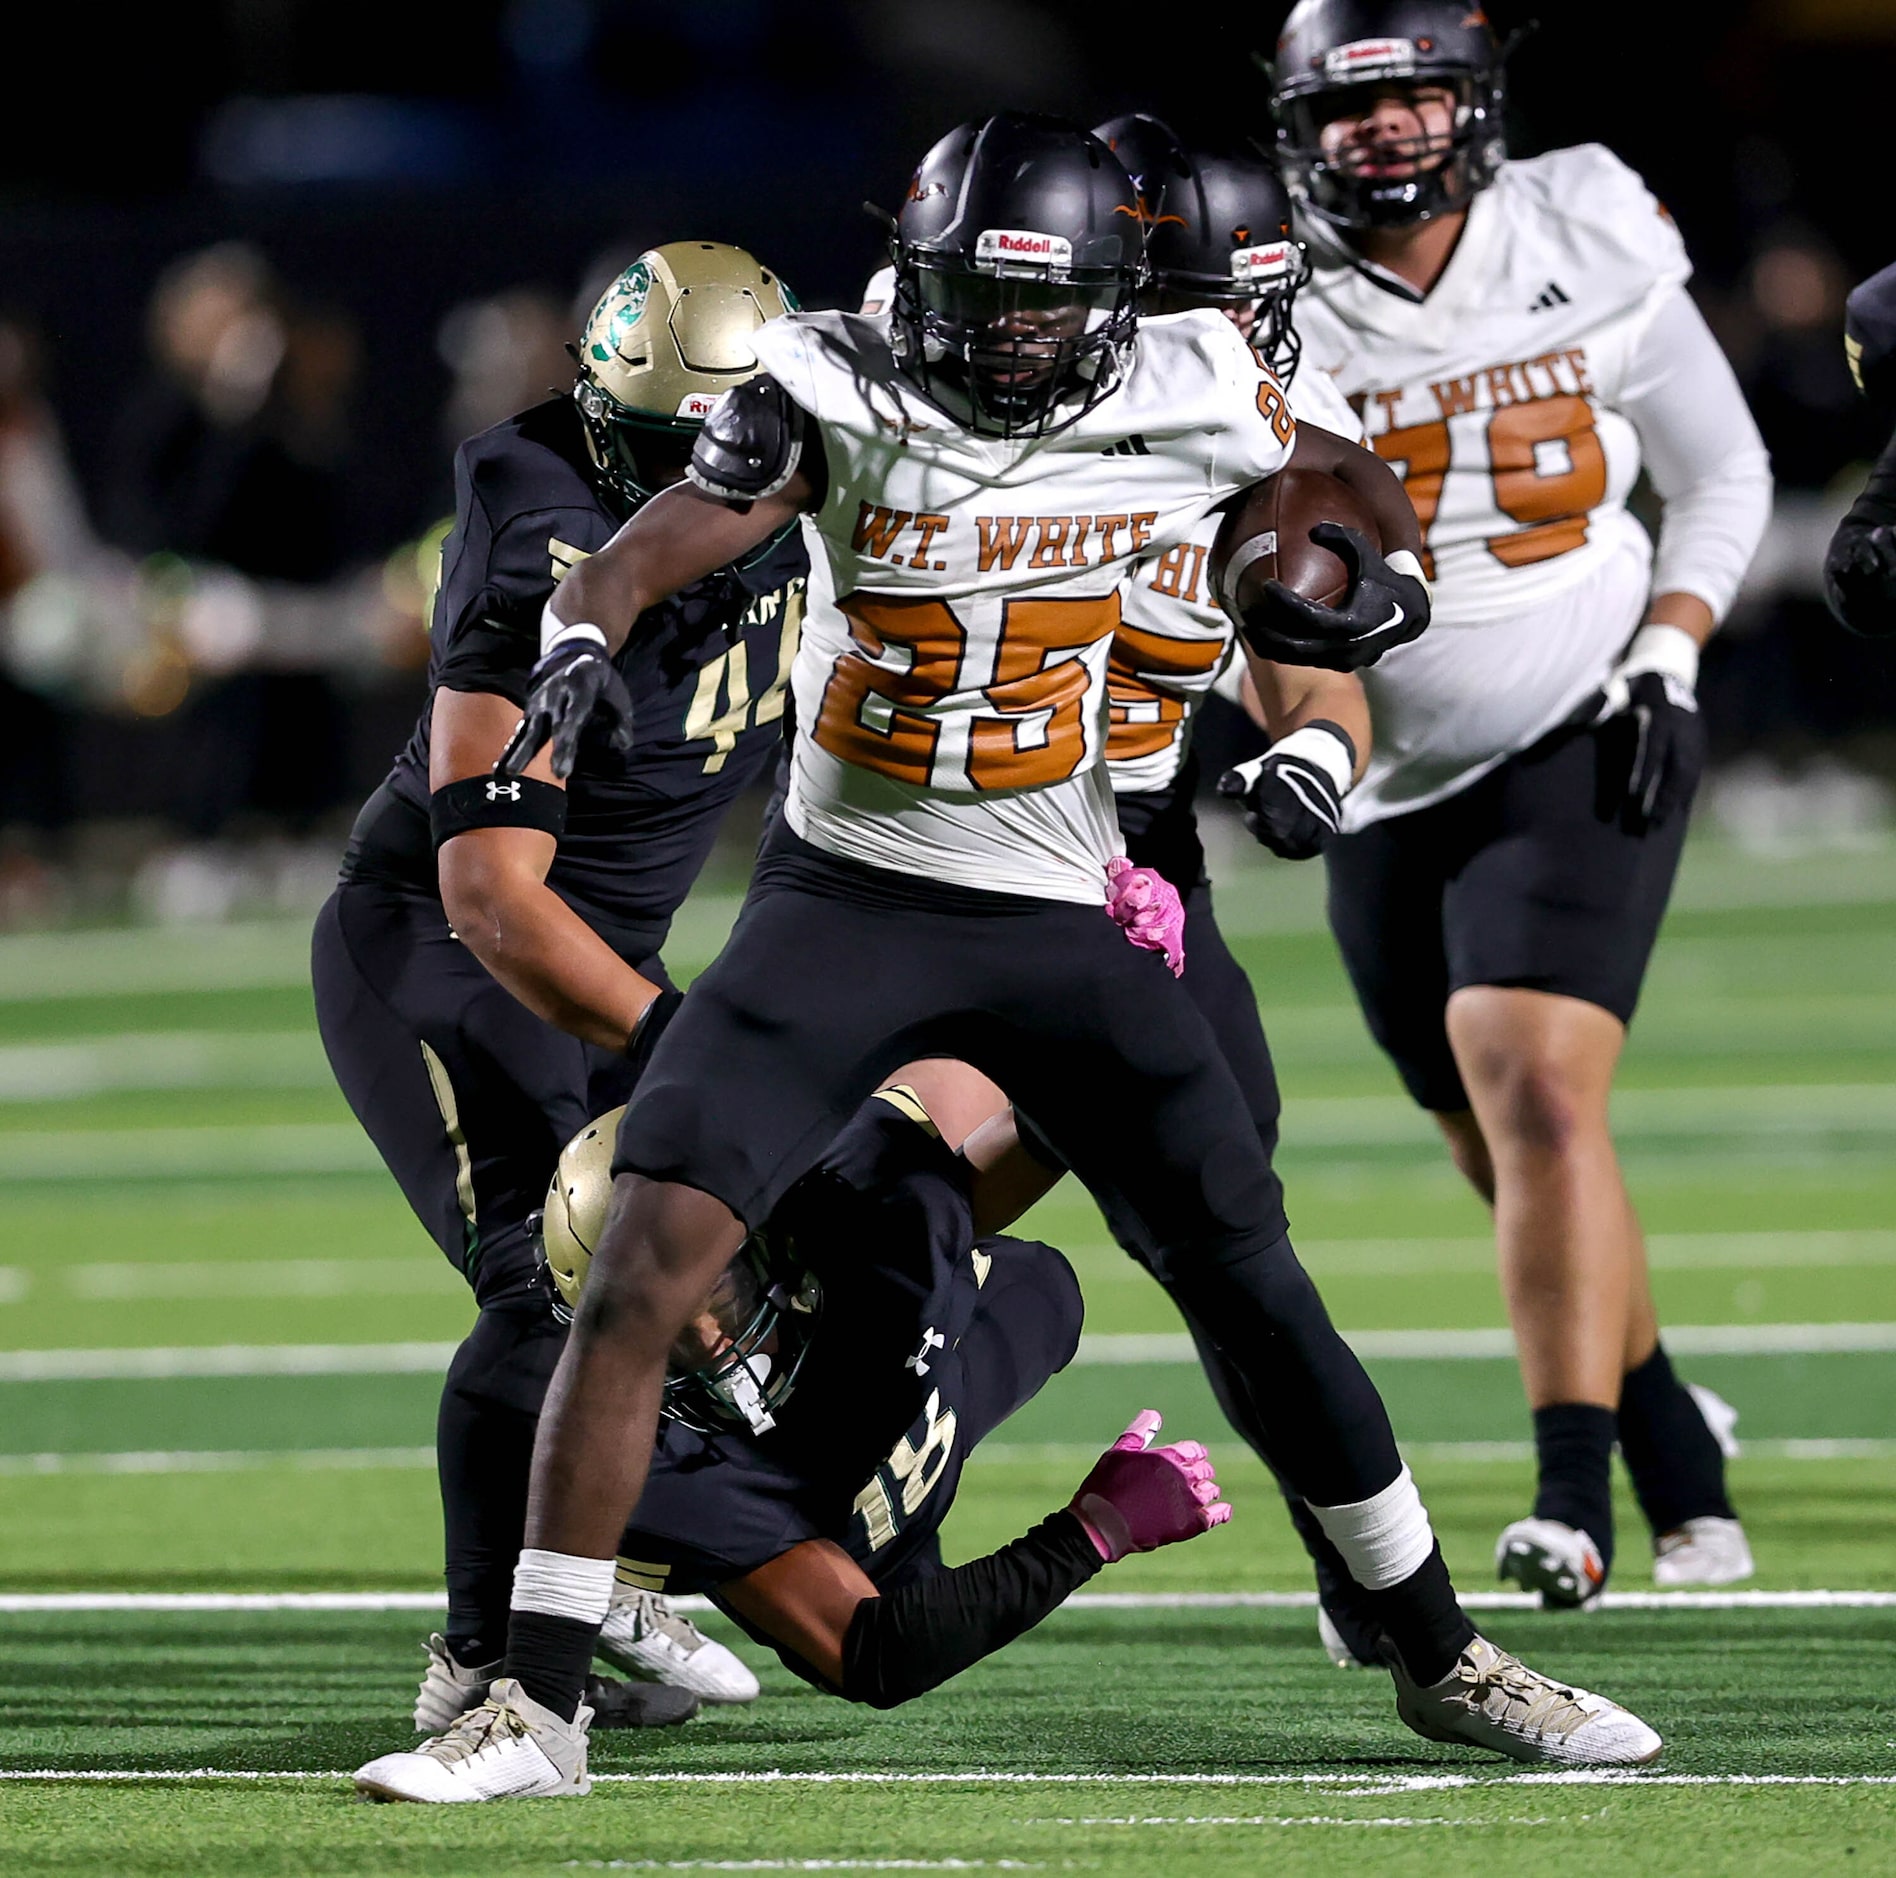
pixel 215 1461
pixel 15 1603
pixel 237 1151
pixel 1343 1785
pixel 360 1359
pixel 183 1059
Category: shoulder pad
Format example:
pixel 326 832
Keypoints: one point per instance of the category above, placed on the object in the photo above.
pixel 1869 335
pixel 751 443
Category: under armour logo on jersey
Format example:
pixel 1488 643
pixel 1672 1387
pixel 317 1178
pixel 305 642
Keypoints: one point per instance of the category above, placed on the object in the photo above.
pixel 1550 296
pixel 932 1340
pixel 503 791
pixel 1134 445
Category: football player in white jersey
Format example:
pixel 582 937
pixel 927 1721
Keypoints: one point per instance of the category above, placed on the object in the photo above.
pixel 972 473
pixel 1518 338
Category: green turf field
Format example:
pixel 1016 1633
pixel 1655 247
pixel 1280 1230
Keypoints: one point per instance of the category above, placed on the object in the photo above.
pixel 221 1337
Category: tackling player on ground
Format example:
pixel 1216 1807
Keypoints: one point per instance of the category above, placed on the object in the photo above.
pixel 487 973
pixel 973 473
pixel 1518 338
pixel 819 1411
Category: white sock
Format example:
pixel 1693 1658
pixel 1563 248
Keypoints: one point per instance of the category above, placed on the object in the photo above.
pixel 1383 1539
pixel 558 1584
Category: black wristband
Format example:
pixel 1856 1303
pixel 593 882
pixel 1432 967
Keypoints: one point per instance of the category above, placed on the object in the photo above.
pixel 1027 1133
pixel 650 1027
pixel 903 1644
pixel 491 802
pixel 1337 731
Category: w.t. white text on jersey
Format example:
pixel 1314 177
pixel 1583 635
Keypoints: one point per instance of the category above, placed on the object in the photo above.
pixel 964 595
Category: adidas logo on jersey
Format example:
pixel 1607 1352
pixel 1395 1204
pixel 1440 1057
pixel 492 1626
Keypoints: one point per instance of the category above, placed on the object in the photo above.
pixel 1135 445
pixel 1550 296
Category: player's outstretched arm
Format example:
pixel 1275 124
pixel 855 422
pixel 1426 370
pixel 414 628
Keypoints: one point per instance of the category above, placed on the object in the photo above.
pixel 818 1604
pixel 754 469
pixel 494 842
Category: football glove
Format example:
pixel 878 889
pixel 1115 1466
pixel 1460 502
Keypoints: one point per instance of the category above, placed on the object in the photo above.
pixel 1292 796
pixel 1654 736
pixel 1387 605
pixel 569 687
pixel 1146 908
pixel 1138 1497
pixel 651 1025
pixel 1860 579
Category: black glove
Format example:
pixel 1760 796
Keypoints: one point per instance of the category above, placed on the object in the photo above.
pixel 1293 802
pixel 1652 738
pixel 1387 605
pixel 1860 579
pixel 652 1024
pixel 570 686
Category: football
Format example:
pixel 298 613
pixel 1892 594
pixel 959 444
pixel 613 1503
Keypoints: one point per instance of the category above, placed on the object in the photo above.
pixel 1266 532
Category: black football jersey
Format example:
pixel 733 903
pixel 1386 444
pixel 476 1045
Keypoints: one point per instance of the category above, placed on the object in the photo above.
pixel 708 672
pixel 928 1341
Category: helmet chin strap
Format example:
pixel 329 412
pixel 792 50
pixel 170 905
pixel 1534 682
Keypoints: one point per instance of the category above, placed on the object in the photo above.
pixel 742 1387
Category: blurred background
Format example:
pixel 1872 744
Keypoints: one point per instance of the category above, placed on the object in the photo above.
pixel 271 260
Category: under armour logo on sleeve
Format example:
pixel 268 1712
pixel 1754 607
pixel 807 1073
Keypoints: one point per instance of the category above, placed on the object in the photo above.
pixel 932 1340
pixel 503 791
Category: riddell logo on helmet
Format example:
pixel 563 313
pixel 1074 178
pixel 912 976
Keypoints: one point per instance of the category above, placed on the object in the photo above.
pixel 1267 262
pixel 1022 244
pixel 1370 58
pixel 697 404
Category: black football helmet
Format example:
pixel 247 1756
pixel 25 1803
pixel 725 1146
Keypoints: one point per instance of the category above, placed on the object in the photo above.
pixel 1151 150
pixel 1018 255
pixel 1332 55
pixel 1219 235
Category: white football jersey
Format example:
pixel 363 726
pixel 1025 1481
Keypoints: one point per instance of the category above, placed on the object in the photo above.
pixel 964 592
pixel 1507 400
pixel 1174 640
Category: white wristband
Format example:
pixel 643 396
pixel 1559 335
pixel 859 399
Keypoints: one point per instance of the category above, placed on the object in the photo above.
pixel 555 631
pixel 1668 649
pixel 1322 749
pixel 1403 561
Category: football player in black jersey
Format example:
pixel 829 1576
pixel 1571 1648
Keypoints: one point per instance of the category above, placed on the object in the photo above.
pixel 1860 567
pixel 821 1406
pixel 487 972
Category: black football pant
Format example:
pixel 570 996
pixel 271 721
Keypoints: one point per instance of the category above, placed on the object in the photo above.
pixel 469 1098
pixel 837 973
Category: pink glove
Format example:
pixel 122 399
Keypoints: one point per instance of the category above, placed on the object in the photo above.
pixel 1147 907
pixel 1138 1497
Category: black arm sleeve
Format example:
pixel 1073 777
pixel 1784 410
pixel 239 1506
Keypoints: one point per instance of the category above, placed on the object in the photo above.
pixel 1859 588
pixel 902 1645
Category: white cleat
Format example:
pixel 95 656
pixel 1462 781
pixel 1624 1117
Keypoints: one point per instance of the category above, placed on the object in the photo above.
pixel 1331 1638
pixel 508 1748
pixel 645 1638
pixel 449 1689
pixel 1560 1562
pixel 1493 1700
pixel 1720 1417
pixel 1704 1551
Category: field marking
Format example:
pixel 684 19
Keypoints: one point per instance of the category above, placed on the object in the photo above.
pixel 233 1150
pixel 1025 1453
pixel 1346 1786
pixel 162 1059
pixel 121 1282
pixel 215 1461
pixel 161 1363
pixel 185 1602
pixel 136 1280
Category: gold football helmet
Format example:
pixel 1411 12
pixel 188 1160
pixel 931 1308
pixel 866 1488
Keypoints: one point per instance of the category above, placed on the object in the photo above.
pixel 667 338
pixel 576 1203
pixel 735 1365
